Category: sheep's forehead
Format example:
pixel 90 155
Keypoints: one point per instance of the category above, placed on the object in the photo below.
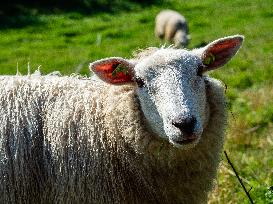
pixel 181 61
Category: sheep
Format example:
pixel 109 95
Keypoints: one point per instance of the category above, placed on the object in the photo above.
pixel 143 130
pixel 172 26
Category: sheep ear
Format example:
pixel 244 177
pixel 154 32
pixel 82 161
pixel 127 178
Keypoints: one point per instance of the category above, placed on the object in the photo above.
pixel 114 70
pixel 219 52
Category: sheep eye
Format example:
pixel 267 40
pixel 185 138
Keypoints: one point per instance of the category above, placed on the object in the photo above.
pixel 139 82
pixel 200 70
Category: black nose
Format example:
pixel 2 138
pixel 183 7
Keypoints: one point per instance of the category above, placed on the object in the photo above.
pixel 185 125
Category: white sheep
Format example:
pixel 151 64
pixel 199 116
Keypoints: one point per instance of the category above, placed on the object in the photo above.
pixel 172 26
pixel 155 138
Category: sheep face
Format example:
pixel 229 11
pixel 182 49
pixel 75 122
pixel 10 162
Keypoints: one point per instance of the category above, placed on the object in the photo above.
pixel 171 87
pixel 172 95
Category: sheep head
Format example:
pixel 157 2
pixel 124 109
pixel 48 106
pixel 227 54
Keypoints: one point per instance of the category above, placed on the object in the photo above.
pixel 171 87
pixel 181 38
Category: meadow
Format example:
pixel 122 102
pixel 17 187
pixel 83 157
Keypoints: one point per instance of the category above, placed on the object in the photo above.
pixel 68 40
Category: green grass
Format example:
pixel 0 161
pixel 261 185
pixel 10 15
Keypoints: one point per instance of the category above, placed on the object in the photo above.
pixel 68 41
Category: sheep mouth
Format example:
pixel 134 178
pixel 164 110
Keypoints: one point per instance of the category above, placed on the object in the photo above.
pixel 190 139
pixel 186 141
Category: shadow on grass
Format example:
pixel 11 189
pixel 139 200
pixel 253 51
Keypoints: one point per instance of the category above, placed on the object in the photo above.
pixel 18 14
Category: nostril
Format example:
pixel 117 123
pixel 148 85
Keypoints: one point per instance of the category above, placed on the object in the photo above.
pixel 185 125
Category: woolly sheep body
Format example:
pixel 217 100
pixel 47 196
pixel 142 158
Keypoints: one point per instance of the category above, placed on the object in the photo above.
pixel 81 140
pixel 172 26
pixel 56 132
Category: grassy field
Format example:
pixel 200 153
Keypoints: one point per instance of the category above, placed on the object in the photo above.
pixel 68 41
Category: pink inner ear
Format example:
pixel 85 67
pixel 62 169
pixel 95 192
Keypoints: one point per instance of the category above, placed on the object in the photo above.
pixel 105 72
pixel 107 68
pixel 222 51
